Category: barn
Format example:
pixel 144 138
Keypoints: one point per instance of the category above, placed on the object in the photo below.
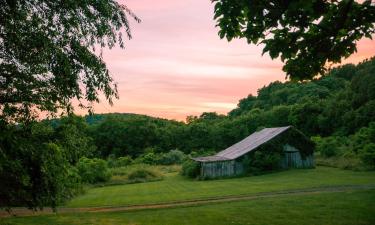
pixel 293 147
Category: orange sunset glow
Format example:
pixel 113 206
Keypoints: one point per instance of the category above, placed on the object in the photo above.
pixel 176 65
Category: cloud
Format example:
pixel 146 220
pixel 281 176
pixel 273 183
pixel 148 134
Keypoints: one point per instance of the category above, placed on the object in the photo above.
pixel 176 65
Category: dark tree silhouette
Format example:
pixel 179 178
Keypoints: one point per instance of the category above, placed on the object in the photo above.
pixel 47 53
pixel 306 35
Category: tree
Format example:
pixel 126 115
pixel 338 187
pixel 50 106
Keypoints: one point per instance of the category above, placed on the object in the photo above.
pixel 72 134
pixel 47 54
pixel 305 34
pixel 33 170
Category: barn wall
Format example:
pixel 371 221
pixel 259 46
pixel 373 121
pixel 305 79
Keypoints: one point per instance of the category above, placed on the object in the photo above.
pixel 220 169
pixel 239 168
pixel 292 158
pixel 217 169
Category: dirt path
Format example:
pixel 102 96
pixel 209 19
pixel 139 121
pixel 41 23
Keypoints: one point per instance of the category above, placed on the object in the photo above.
pixel 331 189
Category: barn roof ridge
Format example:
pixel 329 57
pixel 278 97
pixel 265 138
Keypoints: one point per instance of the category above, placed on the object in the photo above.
pixel 246 145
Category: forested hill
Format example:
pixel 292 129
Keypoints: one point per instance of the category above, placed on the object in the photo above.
pixel 339 103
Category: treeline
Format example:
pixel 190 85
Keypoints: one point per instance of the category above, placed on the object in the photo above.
pixel 45 163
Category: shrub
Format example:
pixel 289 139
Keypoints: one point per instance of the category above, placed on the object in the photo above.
pixel 119 162
pixel 123 161
pixel 348 162
pixel 329 146
pixel 171 157
pixel 148 158
pixel 190 169
pixel 202 152
pixel 143 174
pixel 93 170
pixel 367 155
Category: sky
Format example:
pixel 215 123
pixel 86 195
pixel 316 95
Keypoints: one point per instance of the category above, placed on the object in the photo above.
pixel 176 65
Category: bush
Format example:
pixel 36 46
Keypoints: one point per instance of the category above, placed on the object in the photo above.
pixel 119 162
pixel 172 157
pixel 148 158
pixel 329 146
pixel 347 162
pixel 190 169
pixel 169 158
pixel 367 155
pixel 93 170
pixel 143 174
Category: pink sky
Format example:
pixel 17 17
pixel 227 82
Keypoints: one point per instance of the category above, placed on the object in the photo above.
pixel 176 65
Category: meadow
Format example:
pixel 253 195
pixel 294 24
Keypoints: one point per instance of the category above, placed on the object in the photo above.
pixel 177 188
pixel 347 207
pixel 350 208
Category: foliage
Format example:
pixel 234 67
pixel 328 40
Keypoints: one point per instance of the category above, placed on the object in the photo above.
pixel 190 168
pixel 71 134
pixel 48 57
pixel 144 174
pixel 34 171
pixel 348 152
pixel 168 158
pixel 347 162
pixel 119 162
pixel 172 157
pixel 306 35
pixel 122 175
pixel 367 154
pixel 148 158
pixel 124 135
pixel 93 170
pixel 329 146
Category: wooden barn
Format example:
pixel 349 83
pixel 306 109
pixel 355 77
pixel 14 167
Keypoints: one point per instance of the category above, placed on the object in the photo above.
pixel 294 148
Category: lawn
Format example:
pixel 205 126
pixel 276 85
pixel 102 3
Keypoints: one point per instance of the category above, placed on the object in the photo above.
pixel 175 187
pixel 348 208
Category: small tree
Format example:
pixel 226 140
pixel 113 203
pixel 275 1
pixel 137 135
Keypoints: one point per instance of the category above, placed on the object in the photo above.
pixel 34 171
pixel 190 168
pixel 172 157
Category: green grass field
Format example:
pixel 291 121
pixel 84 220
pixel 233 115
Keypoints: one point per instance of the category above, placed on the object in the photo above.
pixel 176 188
pixel 354 207
pixel 349 208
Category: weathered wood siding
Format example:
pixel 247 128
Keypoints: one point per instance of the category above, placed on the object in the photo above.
pixel 239 168
pixel 221 168
pixel 292 158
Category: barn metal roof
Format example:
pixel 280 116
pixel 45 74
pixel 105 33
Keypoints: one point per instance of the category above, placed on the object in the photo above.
pixel 246 145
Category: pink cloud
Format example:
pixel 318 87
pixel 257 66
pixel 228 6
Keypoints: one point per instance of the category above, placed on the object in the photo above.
pixel 176 65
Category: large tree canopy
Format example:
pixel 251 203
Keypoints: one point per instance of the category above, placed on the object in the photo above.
pixel 305 34
pixel 47 53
